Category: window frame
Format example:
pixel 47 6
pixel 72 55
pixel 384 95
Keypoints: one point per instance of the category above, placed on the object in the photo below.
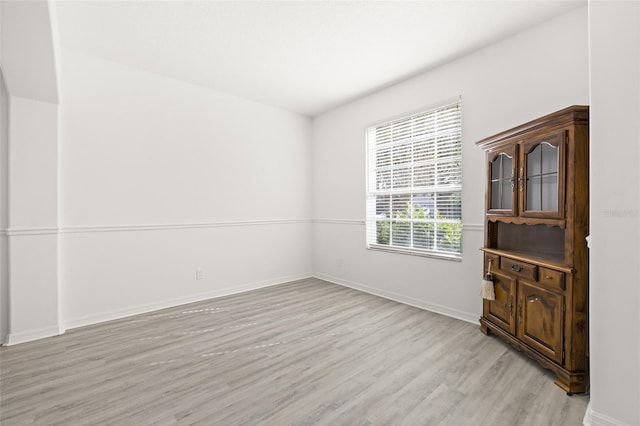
pixel 373 193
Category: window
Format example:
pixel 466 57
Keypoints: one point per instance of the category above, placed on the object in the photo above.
pixel 414 184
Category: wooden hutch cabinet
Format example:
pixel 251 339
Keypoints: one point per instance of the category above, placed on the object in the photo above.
pixel 537 218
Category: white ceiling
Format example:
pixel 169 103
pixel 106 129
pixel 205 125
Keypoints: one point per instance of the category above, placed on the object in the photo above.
pixel 305 57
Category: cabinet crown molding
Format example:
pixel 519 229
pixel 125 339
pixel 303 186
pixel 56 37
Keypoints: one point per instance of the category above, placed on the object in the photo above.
pixel 576 114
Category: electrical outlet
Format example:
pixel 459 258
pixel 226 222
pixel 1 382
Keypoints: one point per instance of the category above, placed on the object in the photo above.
pixel 199 274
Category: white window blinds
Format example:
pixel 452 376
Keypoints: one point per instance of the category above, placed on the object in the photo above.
pixel 414 183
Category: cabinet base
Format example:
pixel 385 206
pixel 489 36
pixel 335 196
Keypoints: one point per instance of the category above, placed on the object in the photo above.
pixel 570 381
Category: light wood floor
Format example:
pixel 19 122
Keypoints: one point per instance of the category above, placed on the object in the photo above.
pixel 306 352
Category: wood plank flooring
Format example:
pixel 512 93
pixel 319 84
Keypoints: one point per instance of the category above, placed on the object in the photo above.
pixel 301 353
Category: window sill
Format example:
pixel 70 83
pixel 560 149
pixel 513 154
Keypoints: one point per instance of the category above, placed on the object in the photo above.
pixel 443 256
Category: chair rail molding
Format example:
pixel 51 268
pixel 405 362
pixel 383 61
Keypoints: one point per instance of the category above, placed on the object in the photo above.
pixel 475 227
pixel 147 227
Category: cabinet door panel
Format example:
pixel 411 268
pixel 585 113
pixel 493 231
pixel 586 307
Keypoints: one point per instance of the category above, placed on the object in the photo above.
pixel 540 319
pixel 541 176
pixel 501 194
pixel 502 310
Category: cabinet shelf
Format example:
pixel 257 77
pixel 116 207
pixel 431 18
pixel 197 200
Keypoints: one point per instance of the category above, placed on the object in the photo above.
pixel 544 260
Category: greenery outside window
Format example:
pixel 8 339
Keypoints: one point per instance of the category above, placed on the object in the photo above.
pixel 414 183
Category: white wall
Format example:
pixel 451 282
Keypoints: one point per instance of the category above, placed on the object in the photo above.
pixel 28 57
pixel 33 158
pixel 33 219
pixel 536 72
pixel 615 213
pixel 160 178
pixel 30 169
pixel 4 204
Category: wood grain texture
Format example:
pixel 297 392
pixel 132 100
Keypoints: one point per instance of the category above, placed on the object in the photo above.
pixel 551 323
pixel 306 352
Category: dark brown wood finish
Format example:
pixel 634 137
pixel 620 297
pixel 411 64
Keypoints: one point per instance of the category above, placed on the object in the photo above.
pixel 493 157
pixel 557 140
pixel 540 253
pixel 540 314
pixel 502 309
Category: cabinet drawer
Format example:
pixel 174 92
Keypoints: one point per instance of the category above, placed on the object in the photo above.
pixel 551 278
pixel 521 269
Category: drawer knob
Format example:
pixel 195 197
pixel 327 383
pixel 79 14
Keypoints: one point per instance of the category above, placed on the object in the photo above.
pixel 548 277
pixel 516 268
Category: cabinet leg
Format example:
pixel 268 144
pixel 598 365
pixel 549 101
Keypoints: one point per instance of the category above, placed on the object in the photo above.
pixel 484 329
pixel 572 384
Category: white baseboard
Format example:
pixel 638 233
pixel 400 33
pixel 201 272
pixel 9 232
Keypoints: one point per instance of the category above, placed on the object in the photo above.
pixel 407 300
pixel 593 418
pixel 15 338
pixel 169 303
pixel 30 335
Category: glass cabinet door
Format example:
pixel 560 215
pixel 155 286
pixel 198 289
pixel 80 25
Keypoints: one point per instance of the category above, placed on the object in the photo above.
pixel 502 166
pixel 541 177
